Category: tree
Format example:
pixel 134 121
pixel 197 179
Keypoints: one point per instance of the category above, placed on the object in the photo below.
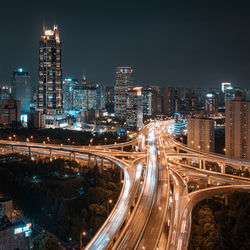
pixel 46 242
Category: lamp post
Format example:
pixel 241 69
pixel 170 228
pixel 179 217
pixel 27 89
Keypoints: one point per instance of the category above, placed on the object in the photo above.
pixel 108 204
pixel 83 234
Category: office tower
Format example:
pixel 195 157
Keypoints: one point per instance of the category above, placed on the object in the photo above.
pixel 170 101
pixel 149 102
pixel 50 99
pixel 93 96
pixel 21 89
pixel 134 117
pixel 69 86
pixel 124 79
pixel 109 99
pixel 201 134
pixel 237 137
pixel 211 104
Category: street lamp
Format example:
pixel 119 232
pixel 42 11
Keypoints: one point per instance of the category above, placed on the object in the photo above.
pixel 31 138
pixel 83 234
pixel 108 204
pixel 105 139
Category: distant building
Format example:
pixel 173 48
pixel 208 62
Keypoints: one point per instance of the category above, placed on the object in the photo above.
pixel 149 102
pixel 109 99
pixel 170 101
pixel 134 117
pixel 201 134
pixel 228 91
pixel 69 95
pixel 180 125
pixel 93 96
pixel 4 93
pixel 124 79
pixel 21 89
pixel 211 104
pixel 237 136
pixel 10 111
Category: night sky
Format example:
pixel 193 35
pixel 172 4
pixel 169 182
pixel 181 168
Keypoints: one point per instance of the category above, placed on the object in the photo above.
pixel 168 43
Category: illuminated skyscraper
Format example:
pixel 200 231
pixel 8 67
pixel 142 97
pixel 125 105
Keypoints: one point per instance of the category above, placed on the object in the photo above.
pixel 50 99
pixel 124 79
pixel 20 88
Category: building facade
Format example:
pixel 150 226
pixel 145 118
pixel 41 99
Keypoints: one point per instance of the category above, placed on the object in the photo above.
pixel 124 79
pixel 201 134
pixel 21 89
pixel 237 134
pixel 50 98
pixel 211 104
pixel 134 117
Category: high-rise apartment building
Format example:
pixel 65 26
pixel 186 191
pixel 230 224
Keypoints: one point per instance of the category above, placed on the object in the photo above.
pixel 134 117
pixel 201 134
pixel 124 79
pixel 50 98
pixel 21 89
pixel 237 137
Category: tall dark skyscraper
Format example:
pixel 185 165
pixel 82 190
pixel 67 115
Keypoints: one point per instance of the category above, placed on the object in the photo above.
pixel 124 78
pixel 21 89
pixel 50 99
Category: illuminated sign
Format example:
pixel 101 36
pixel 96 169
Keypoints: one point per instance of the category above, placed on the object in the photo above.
pixel 25 229
pixel 49 32
pixel 210 95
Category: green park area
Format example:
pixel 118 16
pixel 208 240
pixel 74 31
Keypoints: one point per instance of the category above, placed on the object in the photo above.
pixel 59 198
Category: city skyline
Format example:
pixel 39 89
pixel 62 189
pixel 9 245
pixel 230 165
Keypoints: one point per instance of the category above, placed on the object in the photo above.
pixel 168 44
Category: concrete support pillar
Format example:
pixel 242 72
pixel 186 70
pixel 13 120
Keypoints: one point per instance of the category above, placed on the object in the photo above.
pixel 122 148
pixel 74 156
pixel 177 150
pixel 50 155
pixel 209 181
pixel 89 161
pixel 188 161
pixel 112 165
pixel 222 168
pixel 102 166
pixel 29 152
pixel 226 199
pixel 69 156
pixel 95 160
pixel 12 147
pixel 200 164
